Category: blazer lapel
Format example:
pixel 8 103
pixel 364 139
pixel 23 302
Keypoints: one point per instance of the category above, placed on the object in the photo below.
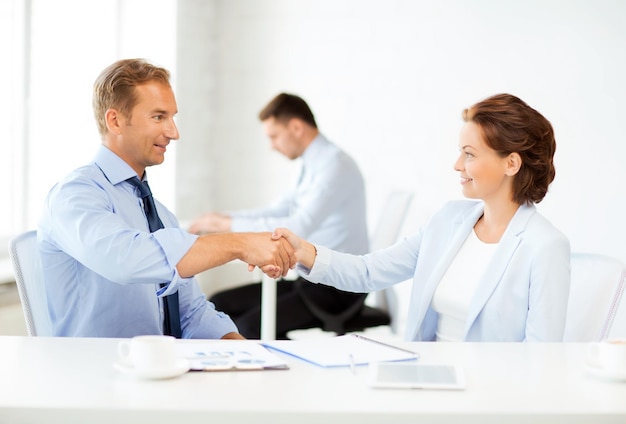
pixel 457 237
pixel 421 297
pixel 500 261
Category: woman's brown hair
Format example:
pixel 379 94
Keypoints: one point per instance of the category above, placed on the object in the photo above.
pixel 511 126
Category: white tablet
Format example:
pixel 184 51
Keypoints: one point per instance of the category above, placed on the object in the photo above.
pixel 412 375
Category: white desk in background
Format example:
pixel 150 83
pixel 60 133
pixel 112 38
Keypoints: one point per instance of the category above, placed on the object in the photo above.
pixel 268 308
pixel 268 305
pixel 72 380
pixel 234 274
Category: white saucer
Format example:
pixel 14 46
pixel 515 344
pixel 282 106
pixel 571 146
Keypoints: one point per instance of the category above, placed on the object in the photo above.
pixel 182 366
pixel 597 370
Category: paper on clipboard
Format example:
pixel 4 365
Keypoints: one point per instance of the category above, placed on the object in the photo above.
pixel 229 355
pixel 341 351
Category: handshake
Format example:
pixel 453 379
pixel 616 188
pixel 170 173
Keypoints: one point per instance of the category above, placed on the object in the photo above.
pixel 276 253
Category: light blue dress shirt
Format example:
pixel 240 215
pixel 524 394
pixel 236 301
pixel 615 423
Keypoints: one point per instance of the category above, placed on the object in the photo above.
pixel 522 295
pixel 327 205
pixel 102 266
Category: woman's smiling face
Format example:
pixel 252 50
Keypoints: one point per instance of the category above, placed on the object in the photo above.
pixel 483 171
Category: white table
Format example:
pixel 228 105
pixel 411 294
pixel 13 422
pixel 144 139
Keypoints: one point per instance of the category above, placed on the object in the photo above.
pixel 71 380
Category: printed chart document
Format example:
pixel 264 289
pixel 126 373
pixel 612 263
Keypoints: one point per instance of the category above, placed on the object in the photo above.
pixel 341 351
pixel 229 355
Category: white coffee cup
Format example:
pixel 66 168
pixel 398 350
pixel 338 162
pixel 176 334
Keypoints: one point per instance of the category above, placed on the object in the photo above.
pixel 147 354
pixel 609 354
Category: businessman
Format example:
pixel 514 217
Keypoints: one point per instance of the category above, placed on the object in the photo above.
pixel 115 262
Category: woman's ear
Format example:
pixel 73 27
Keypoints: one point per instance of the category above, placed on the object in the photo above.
pixel 513 164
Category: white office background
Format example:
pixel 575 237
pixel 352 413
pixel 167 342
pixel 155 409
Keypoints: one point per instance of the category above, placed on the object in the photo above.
pixel 53 51
pixel 387 81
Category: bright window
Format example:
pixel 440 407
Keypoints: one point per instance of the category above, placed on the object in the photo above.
pixel 57 49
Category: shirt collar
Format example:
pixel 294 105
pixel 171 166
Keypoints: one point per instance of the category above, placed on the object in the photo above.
pixel 314 149
pixel 112 166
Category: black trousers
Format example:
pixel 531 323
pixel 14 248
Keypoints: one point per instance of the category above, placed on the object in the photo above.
pixel 243 304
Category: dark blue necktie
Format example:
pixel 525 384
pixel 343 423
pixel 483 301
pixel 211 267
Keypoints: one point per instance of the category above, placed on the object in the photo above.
pixel 171 320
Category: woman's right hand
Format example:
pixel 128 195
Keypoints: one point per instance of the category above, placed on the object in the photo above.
pixel 305 252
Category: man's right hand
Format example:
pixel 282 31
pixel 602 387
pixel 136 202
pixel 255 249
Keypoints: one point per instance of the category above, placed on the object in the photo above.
pixel 274 256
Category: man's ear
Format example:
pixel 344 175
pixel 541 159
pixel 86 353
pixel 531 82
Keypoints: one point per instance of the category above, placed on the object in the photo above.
pixel 113 120
pixel 513 164
pixel 296 127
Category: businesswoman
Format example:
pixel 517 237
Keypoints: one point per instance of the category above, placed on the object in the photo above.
pixel 489 268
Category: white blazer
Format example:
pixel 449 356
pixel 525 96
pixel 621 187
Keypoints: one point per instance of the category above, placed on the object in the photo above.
pixel 522 295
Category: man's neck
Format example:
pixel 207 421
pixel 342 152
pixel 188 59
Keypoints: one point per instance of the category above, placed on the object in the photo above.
pixel 308 137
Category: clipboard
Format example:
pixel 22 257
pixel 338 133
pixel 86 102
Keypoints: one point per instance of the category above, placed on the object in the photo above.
pixel 342 351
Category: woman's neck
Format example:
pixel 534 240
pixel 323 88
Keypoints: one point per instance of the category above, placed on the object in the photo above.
pixel 495 220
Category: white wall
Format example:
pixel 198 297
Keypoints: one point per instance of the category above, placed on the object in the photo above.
pixel 51 59
pixel 388 80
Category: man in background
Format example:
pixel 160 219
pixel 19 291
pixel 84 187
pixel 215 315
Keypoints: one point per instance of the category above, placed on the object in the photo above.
pixel 327 204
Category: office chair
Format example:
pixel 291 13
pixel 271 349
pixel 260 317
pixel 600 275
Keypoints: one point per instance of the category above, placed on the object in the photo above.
pixel 617 329
pixel 385 306
pixel 597 286
pixel 30 286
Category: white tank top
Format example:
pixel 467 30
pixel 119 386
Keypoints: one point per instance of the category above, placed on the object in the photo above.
pixel 456 289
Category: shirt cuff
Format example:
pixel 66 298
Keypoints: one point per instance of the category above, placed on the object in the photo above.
pixel 175 242
pixel 173 285
pixel 320 267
